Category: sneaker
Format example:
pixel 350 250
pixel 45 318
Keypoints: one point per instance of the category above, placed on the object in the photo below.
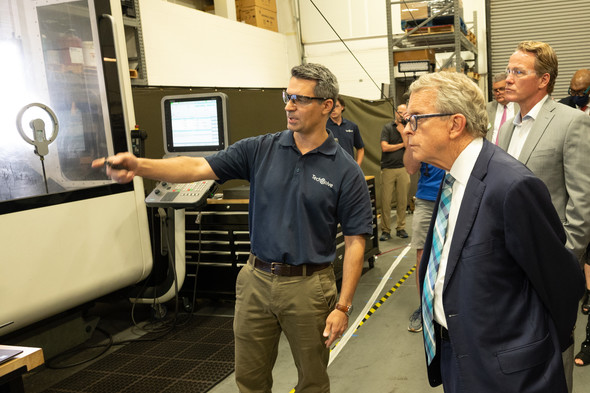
pixel 385 236
pixel 402 233
pixel 415 325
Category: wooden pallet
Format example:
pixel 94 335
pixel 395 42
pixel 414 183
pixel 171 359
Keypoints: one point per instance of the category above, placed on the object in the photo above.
pixel 441 29
pixel 473 75
pixel 425 30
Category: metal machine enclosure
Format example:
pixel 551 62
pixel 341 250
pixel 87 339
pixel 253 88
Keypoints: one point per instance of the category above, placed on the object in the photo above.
pixel 68 234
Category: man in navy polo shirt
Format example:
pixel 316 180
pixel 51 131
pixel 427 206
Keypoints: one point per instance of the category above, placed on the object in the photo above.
pixel 346 132
pixel 302 185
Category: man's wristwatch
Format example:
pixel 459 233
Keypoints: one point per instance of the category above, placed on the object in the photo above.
pixel 345 309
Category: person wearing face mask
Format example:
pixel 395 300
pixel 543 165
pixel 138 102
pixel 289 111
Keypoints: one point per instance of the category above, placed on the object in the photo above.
pixel 579 91
pixel 579 98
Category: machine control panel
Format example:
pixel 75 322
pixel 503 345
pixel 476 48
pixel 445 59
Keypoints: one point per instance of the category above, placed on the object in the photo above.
pixel 181 195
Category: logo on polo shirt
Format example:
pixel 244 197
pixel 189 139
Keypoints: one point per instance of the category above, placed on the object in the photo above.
pixel 322 181
pixel 349 130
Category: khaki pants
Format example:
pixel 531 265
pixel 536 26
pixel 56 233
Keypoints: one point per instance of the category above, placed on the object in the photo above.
pixel 267 305
pixel 394 180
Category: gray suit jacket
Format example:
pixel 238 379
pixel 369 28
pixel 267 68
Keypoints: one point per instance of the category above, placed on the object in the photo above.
pixel 491 108
pixel 557 150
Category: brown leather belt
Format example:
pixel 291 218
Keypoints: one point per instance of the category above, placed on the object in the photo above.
pixel 283 269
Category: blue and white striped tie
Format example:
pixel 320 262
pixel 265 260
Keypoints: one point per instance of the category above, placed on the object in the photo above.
pixel 438 241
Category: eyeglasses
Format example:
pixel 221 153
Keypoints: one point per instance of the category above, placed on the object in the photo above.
pixel 518 73
pixel 399 119
pixel 299 99
pixel 499 90
pixel 579 93
pixel 413 120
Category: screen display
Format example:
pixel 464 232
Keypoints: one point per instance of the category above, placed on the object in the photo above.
pixel 194 124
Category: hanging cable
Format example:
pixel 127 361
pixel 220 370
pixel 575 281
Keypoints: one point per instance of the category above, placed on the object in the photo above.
pixel 388 99
pixel 346 46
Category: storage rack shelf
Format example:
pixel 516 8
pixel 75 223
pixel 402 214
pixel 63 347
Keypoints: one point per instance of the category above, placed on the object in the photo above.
pixel 455 39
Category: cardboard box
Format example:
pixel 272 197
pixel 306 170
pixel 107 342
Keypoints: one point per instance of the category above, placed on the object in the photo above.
pixel 415 10
pixel 259 17
pixel 409 55
pixel 270 5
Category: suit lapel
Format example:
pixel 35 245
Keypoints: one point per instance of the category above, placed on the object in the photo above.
pixel 506 134
pixel 468 211
pixel 539 128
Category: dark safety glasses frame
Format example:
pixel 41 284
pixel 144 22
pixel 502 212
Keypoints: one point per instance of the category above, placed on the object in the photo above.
pixel 298 99
pixel 579 93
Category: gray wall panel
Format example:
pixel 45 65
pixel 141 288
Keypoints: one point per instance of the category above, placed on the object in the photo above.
pixel 562 24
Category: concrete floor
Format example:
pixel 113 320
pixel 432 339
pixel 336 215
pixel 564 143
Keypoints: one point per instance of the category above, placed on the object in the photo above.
pixel 380 357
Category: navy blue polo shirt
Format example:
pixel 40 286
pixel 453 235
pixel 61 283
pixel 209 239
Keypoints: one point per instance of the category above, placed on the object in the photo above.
pixel 297 201
pixel 347 134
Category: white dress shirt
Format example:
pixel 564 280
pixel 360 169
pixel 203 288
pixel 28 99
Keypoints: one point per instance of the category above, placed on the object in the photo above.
pixel 461 171
pixel 522 128
pixel 498 118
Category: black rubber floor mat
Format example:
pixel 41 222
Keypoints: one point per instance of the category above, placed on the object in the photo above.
pixel 193 358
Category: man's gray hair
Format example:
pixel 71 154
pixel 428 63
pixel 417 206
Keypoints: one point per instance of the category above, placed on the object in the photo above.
pixel 499 77
pixel 327 84
pixel 456 93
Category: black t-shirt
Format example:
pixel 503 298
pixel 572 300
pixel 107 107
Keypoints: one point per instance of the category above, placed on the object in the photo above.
pixel 393 159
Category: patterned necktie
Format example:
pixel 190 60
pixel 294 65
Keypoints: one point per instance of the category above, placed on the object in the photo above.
pixel 438 241
pixel 502 120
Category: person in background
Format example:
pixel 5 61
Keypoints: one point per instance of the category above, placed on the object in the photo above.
pixel 582 358
pixel 428 185
pixel 579 91
pixel 499 289
pixel 500 109
pixel 346 132
pixel 578 98
pixel 394 177
pixel 553 141
pixel 302 185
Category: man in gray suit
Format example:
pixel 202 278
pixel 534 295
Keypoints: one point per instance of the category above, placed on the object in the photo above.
pixel 500 109
pixel 553 141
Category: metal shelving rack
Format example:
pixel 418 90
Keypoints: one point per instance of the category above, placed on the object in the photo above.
pixel 455 41
pixel 133 34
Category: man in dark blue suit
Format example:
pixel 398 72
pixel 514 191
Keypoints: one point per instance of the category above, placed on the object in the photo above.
pixel 503 299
